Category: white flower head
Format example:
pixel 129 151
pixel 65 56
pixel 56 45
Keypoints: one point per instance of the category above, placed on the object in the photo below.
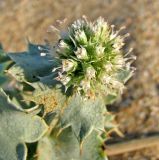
pixel 92 58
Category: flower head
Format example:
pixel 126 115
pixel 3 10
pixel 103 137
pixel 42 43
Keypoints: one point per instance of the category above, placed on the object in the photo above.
pixel 92 59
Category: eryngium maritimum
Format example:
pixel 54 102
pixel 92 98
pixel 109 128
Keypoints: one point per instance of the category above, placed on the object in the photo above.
pixel 92 59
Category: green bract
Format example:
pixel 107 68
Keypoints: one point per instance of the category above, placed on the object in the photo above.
pixel 92 59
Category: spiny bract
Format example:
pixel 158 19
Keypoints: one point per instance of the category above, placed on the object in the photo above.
pixel 91 58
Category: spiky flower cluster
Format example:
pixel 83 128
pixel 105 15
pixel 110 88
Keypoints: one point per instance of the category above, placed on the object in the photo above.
pixel 91 58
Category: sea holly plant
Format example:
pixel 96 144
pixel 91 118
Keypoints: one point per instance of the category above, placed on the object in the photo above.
pixel 53 104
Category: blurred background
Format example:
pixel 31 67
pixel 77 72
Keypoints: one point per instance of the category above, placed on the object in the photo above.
pixel 138 110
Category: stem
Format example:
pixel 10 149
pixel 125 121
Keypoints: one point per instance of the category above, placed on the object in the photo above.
pixel 132 145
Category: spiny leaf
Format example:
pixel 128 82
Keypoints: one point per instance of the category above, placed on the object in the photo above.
pixel 31 64
pixel 63 147
pixel 84 116
pixel 66 147
pixel 16 96
pixel 124 75
pixel 109 99
pixel 92 148
pixel 16 128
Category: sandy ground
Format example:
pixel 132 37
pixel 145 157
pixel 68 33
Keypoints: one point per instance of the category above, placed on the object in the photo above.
pixel 138 110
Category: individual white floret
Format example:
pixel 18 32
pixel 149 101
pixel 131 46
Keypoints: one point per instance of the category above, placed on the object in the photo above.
pixel 90 72
pixel 68 65
pixel 81 53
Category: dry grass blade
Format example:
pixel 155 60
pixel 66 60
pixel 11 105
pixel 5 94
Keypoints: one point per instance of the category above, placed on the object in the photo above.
pixel 132 145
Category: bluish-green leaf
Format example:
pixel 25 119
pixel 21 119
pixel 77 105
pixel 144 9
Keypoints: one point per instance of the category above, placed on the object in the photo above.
pixel 16 128
pixel 34 63
pixel 84 116
pixel 66 147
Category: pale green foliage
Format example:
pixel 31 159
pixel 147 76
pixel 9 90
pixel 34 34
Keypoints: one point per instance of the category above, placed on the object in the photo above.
pixel 68 86
pixel 90 116
pixel 84 120
pixel 16 128
pixel 65 146
pixel 30 65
